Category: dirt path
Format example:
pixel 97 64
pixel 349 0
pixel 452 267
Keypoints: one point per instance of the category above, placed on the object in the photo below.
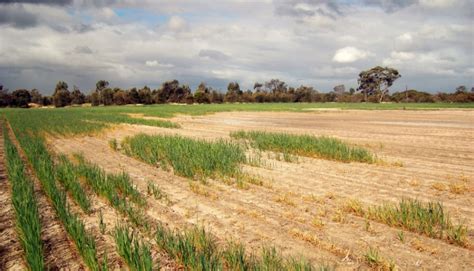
pixel 60 252
pixel 301 211
pixel 11 252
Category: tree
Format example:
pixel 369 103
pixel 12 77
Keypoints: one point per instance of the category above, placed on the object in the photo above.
pixel 101 85
pixel 234 93
pixel 247 97
pixel 5 97
pixel 120 97
pixel 107 96
pixel 257 87
pixel 21 98
pixel 77 97
pixel 133 96
pixel 144 95
pixel 172 92
pixel 217 97
pixel 304 94
pixel 276 86
pixel 61 96
pixel 47 100
pixel 412 96
pixel 36 96
pixel 461 89
pixel 95 98
pixel 376 81
pixel 184 95
pixel 202 94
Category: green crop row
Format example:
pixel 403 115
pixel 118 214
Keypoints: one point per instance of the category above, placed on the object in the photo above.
pixel 25 205
pixel 43 164
pixel 66 175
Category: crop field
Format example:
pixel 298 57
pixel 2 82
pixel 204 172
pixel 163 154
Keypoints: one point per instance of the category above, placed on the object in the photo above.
pixel 238 187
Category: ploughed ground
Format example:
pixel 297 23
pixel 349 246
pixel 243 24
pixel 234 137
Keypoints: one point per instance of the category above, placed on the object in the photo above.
pixel 427 155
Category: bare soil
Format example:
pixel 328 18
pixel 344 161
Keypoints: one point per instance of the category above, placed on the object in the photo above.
pixel 427 155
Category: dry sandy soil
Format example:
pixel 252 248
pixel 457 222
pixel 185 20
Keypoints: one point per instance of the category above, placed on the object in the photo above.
pixel 428 155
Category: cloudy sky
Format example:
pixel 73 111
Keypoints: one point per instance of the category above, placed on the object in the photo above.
pixel 311 42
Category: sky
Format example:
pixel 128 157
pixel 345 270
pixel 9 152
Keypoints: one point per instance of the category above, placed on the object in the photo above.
pixel 132 43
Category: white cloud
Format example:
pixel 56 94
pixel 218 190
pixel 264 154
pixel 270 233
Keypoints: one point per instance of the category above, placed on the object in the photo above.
pixel 151 63
pixel 438 3
pixel 177 23
pixel 350 54
pixel 403 55
pixel 155 63
pixel 405 37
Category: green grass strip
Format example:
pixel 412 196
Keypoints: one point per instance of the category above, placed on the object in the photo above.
pixel 306 145
pixel 188 157
pixel 25 205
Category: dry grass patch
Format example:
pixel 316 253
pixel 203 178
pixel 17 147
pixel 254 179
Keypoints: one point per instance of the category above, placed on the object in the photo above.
pixel 201 190
pixel 439 186
pixel 420 246
pixel 285 199
pixel 458 188
pixel 377 262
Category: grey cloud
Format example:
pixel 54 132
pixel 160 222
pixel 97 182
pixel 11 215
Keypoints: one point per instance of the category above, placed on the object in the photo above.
pixel 293 8
pixel 17 17
pixel 60 28
pixel 390 5
pixel 46 2
pixel 82 50
pixel 83 28
pixel 213 54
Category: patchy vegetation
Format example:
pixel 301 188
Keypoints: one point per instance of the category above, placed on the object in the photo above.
pixel 429 218
pixel 197 250
pixel 306 145
pixel 136 253
pixel 115 188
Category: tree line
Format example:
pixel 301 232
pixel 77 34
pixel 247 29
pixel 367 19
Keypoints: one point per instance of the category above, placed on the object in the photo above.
pixel 373 87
